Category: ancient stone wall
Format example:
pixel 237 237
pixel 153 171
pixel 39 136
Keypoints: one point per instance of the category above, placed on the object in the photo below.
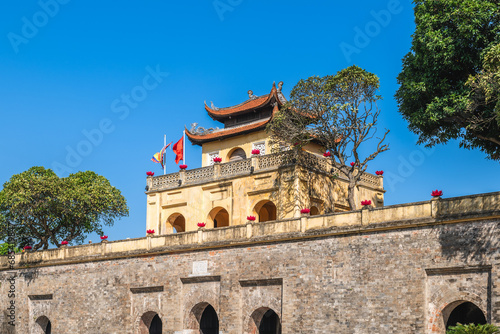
pixel 392 270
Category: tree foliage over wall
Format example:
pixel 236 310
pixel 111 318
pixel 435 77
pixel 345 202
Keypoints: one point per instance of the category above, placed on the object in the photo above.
pixel 339 112
pixel 38 205
pixel 450 81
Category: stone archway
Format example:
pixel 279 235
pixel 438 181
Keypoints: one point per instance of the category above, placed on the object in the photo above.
pixel 465 313
pixel 314 211
pixel 175 223
pixel 264 321
pixel 218 217
pixel 203 319
pixel 150 323
pixel 444 301
pixel 265 211
pixel 43 326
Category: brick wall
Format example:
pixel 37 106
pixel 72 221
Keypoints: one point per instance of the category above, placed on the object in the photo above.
pixel 400 277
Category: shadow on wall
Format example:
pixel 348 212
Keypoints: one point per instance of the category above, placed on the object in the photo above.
pixel 469 241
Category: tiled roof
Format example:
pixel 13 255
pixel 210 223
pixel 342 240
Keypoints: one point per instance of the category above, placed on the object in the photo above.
pixel 197 139
pixel 242 108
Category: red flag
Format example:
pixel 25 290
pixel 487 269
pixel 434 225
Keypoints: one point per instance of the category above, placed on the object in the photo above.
pixel 178 149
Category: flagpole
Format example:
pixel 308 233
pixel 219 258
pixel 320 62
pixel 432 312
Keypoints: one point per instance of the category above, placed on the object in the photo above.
pixel 164 155
pixel 184 147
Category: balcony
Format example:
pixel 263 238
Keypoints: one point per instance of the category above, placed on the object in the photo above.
pixel 255 164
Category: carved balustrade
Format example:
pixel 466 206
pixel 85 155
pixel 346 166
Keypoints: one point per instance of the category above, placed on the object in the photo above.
pixel 253 164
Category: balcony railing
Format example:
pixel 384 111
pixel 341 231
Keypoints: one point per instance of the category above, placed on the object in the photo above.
pixel 247 166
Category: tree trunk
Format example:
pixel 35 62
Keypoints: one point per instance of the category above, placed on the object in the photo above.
pixel 350 194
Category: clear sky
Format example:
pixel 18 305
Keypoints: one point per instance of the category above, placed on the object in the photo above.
pixel 125 73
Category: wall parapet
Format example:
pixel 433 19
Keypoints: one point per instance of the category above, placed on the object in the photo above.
pixel 248 166
pixel 402 216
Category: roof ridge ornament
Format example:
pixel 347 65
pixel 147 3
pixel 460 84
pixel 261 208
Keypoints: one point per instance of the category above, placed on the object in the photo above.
pixel 199 130
pixel 251 96
pixel 281 97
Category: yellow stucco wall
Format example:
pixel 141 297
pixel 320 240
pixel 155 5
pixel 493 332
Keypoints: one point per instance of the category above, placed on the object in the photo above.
pixel 227 146
pixel 243 192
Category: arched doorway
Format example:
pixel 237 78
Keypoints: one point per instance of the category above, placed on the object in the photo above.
pixel 265 210
pixel 209 322
pixel 314 211
pixel 176 223
pixel 218 217
pixel 150 323
pixel 236 154
pixel 43 325
pixel 466 313
pixel 264 321
pixel 270 323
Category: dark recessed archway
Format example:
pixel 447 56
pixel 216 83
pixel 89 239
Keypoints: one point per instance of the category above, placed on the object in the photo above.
pixel 150 323
pixel 156 325
pixel 219 217
pixel 314 211
pixel 266 210
pixel 466 313
pixel 264 321
pixel 44 325
pixel 209 322
pixel 270 323
pixel 177 223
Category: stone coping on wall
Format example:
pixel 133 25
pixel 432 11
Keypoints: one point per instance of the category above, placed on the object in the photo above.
pixel 436 211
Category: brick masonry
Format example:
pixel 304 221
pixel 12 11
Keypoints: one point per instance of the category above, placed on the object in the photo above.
pixel 391 280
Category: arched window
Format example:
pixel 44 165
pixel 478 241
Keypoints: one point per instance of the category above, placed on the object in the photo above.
pixel 218 217
pixel 314 211
pixel 236 154
pixel 150 323
pixel 175 223
pixel 264 321
pixel 44 325
pixel 466 313
pixel 265 210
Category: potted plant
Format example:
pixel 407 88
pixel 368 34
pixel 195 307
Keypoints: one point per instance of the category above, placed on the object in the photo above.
pixel 201 225
pixel 251 218
pixel 217 160
pixel 255 151
pixel 183 167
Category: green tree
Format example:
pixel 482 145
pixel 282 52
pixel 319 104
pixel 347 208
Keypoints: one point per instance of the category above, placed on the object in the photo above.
pixel 5 248
pixel 449 83
pixel 473 329
pixel 37 204
pixel 340 113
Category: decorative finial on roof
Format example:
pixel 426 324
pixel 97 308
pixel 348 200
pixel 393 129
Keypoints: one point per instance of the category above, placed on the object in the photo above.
pixel 280 86
pixel 250 95
pixel 212 106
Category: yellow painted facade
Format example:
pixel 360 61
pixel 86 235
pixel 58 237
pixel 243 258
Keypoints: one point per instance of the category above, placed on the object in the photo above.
pixel 272 186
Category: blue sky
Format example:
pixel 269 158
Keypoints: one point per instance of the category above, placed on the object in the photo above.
pixel 67 69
